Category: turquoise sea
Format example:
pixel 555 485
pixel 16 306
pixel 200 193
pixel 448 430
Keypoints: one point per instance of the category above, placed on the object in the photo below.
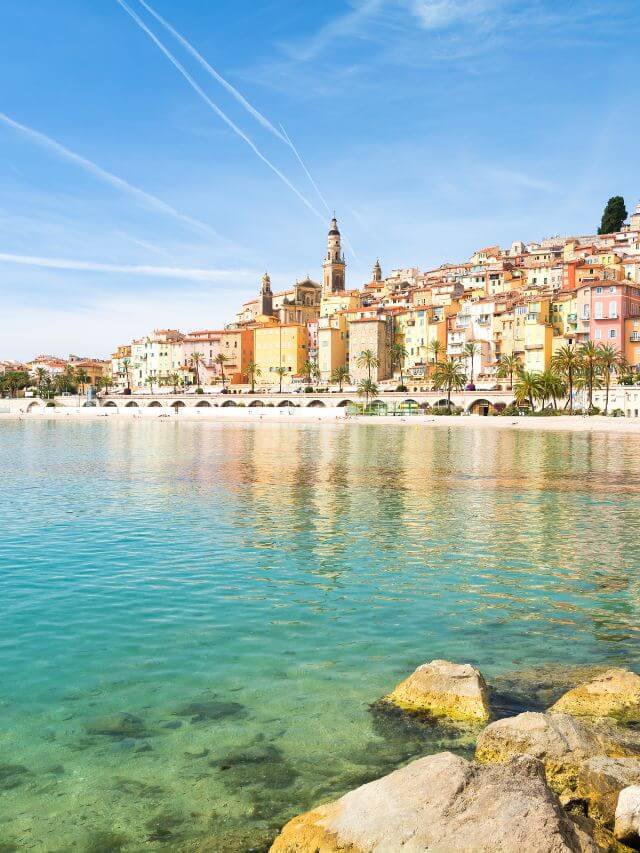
pixel 197 617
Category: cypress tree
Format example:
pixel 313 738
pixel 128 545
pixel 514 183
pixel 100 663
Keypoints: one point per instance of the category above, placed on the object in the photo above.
pixel 614 215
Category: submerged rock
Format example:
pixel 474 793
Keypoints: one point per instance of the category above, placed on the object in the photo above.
pixel 614 693
pixel 263 766
pixel 444 689
pixel 105 841
pixel 120 724
pixel 442 802
pixel 210 709
pixel 12 776
pixel 535 688
pixel 627 818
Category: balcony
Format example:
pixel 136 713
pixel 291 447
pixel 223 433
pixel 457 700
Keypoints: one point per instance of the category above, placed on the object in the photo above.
pixel 572 318
pixel 635 337
pixel 530 347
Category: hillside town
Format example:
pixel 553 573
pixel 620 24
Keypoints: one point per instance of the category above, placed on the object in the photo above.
pixel 504 311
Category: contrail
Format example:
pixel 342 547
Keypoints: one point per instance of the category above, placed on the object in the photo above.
pixel 302 163
pixel 108 177
pixel 127 269
pixel 263 120
pixel 216 109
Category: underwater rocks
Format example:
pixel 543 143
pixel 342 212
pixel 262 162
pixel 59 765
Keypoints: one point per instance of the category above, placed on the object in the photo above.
pixel 444 689
pixel 12 776
pixel 614 693
pixel 256 766
pixel 120 724
pixel 442 802
pixel 206 710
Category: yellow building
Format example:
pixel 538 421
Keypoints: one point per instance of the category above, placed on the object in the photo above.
pixel 333 343
pixel 538 334
pixel 346 300
pixel 284 346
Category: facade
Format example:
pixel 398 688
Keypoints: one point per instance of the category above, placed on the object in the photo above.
pixel 281 346
pixel 373 334
pixel 334 265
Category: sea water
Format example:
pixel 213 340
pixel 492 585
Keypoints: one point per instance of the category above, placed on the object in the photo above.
pixel 197 619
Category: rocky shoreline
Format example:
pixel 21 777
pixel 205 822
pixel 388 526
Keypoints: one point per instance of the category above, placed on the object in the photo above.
pixel 562 780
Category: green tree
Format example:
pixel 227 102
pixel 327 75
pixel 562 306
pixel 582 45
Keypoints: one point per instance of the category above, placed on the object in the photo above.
pixel 435 348
pixel 307 371
pixel 221 359
pixel 528 389
pixel 126 363
pixel 567 363
pixel 281 371
pixel 508 365
pixel 339 375
pixel 449 374
pixel 197 359
pixel 151 381
pixel 82 378
pixel 614 215
pixel 398 355
pixel 591 368
pixel 469 352
pixel 611 362
pixel 552 387
pixel 173 379
pixel 41 375
pixel 368 359
pixel 367 388
pixel 13 381
pixel 253 371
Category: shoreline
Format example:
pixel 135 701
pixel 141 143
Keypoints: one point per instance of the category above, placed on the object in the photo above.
pixel 288 415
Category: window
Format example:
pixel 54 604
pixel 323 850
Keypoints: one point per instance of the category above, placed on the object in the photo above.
pixel 598 334
pixel 612 333
pixel 597 310
pixel 613 308
pixel 612 290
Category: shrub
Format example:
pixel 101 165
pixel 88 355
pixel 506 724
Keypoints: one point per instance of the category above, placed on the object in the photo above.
pixel 199 391
pixel 402 388
pixel 510 410
pixel 51 405
pixel 617 413
pixel 308 389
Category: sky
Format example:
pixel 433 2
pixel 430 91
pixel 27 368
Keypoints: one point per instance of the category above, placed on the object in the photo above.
pixel 157 158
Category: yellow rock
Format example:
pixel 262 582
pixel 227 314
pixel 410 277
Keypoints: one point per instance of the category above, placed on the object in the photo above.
pixel 614 693
pixel 444 689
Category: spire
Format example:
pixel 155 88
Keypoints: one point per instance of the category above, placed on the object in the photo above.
pixel 266 283
pixel 333 266
pixel 377 271
pixel 333 230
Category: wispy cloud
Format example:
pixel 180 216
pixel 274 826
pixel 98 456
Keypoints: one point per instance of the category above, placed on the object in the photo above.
pixel 440 14
pixel 114 181
pixel 353 24
pixel 216 109
pixel 211 275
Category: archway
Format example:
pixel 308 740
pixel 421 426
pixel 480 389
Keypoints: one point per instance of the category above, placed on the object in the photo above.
pixel 256 403
pixel 228 403
pixel 480 407
pixel 177 405
pixel 203 404
pixel 379 407
pixel 131 404
pixel 89 404
pixel 155 404
pixel 35 405
pixel 316 404
pixel 285 403
pixel 110 403
pixel 344 403
pixel 442 404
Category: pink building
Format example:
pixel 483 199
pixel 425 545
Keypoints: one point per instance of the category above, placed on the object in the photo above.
pixel 603 308
pixel 207 343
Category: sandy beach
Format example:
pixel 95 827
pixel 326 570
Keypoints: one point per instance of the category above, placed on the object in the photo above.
pixel 290 415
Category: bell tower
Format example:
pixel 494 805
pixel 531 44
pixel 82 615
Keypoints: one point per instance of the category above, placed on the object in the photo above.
pixel 334 264
pixel 266 296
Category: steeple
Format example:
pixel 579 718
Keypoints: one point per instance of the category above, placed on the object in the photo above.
pixel 333 267
pixel 266 296
pixel 377 271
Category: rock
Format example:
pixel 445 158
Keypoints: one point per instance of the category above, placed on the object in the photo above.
pixel 562 742
pixel 627 825
pixel 535 688
pixel 120 724
pixel 444 689
pixel 442 803
pixel 614 693
pixel 600 780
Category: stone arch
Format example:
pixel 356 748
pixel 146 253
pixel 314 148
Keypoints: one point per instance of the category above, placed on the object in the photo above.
pixel 256 403
pixel 344 403
pixel 409 402
pixel 131 404
pixel 203 404
pixel 286 403
pixel 379 405
pixel 228 403
pixel 480 407
pixel 316 404
pixel 111 404
pixel 442 403
pixel 177 405
pixel 89 404
pixel 36 404
pixel 155 404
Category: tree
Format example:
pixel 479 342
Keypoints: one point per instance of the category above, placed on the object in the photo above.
pixel 14 381
pixel 281 371
pixel 151 381
pixel 173 379
pixel 126 362
pixel 508 365
pixel 552 387
pixel 614 215
pixel 469 351
pixel 307 371
pixel 252 372
pixel 340 375
pixel 567 363
pixel 449 374
pixel 82 378
pixel 105 382
pixel 196 360
pixel 221 359
pixel 435 348
pixel 611 361
pixel 41 376
pixel 367 388
pixel 590 369
pixel 398 355
pixel 368 359
pixel 315 372
pixel 528 389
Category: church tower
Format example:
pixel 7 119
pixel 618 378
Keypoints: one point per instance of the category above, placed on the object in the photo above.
pixel 334 264
pixel 266 297
pixel 377 272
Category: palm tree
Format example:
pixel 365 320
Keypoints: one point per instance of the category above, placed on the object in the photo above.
pixel 151 381
pixel 125 369
pixel 611 361
pixel 82 378
pixel 398 355
pixel 367 388
pixel 449 374
pixel 528 389
pixel 591 367
pixel 340 375
pixel 41 375
pixel 470 351
pixel 368 359
pixel 281 371
pixel 552 386
pixel 315 373
pixel 507 366
pixel 566 362
pixel 435 347
pixel 221 359
pixel 104 382
pixel 196 360
pixel 307 371
pixel 252 371
pixel 173 379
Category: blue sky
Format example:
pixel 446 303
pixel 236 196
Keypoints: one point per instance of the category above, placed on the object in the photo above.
pixel 433 127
